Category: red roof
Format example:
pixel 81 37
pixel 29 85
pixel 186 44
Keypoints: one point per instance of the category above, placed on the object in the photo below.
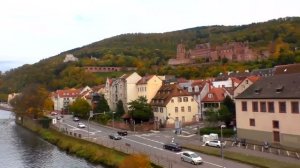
pixel 215 95
pixel 67 93
pixel 253 78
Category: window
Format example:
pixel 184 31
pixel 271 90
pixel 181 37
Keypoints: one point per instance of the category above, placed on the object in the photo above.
pixel 271 107
pixel 276 136
pixel 276 124
pixel 172 100
pixel 161 110
pixel 282 107
pixel 252 122
pixel 185 99
pixel 263 107
pixel 189 109
pixel 182 109
pixel 255 106
pixel 295 107
pixel 179 99
pixel 244 106
pixel 176 109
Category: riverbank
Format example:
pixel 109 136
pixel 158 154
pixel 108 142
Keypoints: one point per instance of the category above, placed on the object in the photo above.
pixel 92 152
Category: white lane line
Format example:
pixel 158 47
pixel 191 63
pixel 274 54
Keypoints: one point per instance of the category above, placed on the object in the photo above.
pixel 143 144
pixel 213 164
pixel 149 139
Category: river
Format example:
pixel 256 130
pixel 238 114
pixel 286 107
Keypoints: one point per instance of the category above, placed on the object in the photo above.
pixel 20 148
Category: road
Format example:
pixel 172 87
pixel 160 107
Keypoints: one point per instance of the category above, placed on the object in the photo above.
pixel 150 144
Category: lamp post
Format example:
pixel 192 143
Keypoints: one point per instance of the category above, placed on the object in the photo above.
pixel 113 121
pixel 222 126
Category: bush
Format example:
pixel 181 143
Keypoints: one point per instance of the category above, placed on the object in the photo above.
pixel 227 132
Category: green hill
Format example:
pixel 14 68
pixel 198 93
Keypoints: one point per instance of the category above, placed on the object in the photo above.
pixel 150 53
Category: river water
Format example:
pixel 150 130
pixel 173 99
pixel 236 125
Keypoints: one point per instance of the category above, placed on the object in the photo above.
pixel 20 148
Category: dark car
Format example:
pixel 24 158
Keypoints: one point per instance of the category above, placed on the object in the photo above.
pixel 122 133
pixel 173 147
pixel 114 136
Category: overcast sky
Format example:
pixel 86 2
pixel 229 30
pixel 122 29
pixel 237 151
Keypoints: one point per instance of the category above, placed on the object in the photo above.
pixel 32 30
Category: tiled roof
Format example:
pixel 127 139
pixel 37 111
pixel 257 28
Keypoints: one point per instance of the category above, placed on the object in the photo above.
pixel 166 92
pixel 67 93
pixel 253 78
pixel 286 69
pixel 215 95
pixel 144 79
pixel 274 87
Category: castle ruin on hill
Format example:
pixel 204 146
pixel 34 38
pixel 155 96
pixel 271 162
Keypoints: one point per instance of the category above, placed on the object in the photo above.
pixel 234 51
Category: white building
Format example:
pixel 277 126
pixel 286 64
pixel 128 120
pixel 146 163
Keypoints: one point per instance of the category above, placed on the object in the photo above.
pixel 70 58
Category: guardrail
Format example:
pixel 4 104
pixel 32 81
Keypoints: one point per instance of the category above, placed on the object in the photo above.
pixel 262 148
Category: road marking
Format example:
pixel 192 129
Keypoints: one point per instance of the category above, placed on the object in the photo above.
pixel 149 139
pixel 213 164
pixel 143 144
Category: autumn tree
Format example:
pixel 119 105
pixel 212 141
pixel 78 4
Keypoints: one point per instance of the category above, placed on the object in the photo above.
pixel 136 161
pixel 80 108
pixel 140 110
pixel 33 101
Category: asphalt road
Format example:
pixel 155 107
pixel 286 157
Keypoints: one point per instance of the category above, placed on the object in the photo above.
pixel 150 144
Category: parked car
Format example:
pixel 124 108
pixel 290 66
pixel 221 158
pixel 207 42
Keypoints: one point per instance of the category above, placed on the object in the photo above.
pixel 191 157
pixel 214 143
pixel 122 133
pixel 81 125
pixel 173 147
pixel 76 119
pixel 53 113
pixel 115 136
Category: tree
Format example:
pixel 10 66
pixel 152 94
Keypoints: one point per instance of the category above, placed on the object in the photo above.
pixel 224 115
pixel 212 117
pixel 33 101
pixel 120 109
pixel 136 161
pixel 102 105
pixel 229 103
pixel 140 110
pixel 80 108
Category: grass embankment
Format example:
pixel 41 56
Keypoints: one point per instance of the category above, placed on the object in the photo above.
pixel 92 152
pixel 248 159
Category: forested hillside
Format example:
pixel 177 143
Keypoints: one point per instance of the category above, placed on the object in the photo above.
pixel 150 53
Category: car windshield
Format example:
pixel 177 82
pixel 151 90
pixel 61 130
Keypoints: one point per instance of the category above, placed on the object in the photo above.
pixel 194 155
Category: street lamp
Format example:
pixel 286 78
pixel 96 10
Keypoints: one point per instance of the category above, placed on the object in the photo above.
pixel 113 121
pixel 222 126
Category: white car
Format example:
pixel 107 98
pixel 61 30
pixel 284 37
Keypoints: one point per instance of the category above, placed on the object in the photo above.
pixel 214 143
pixel 81 125
pixel 191 157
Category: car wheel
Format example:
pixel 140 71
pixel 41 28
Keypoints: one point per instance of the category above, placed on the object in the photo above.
pixel 193 163
pixel 206 144
pixel 182 159
pixel 218 146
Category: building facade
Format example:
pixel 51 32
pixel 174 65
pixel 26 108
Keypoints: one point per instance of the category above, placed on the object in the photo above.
pixel 269 111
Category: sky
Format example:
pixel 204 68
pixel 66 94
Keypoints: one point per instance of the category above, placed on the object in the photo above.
pixel 33 30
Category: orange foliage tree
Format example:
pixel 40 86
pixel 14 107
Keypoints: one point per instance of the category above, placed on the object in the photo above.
pixel 136 161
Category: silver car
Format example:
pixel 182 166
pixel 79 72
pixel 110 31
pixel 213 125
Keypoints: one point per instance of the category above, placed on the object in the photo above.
pixel 191 157
pixel 214 143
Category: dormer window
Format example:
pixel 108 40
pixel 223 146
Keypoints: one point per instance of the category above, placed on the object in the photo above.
pixel 210 95
pixel 190 89
pixel 257 90
pixel 279 89
pixel 196 88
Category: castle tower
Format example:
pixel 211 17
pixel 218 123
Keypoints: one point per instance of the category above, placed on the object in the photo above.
pixel 180 51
